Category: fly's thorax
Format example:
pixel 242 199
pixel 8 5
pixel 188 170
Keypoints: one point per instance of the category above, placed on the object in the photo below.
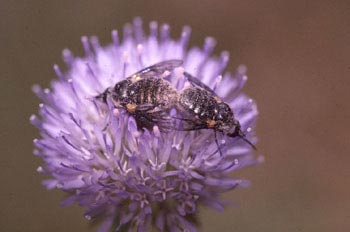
pixel 224 117
pixel 197 102
pixel 120 91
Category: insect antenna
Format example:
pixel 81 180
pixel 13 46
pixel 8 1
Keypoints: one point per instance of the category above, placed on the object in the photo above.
pixel 239 133
pixel 247 141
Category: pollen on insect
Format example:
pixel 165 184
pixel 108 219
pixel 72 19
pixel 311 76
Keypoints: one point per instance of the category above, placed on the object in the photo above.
pixel 165 74
pixel 131 108
pixel 135 78
pixel 217 99
pixel 211 123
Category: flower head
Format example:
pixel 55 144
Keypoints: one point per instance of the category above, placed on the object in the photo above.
pixel 127 177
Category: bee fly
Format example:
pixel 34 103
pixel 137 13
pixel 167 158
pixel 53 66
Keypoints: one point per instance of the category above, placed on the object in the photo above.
pixel 146 95
pixel 203 109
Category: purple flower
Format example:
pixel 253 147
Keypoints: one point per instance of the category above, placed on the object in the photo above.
pixel 132 179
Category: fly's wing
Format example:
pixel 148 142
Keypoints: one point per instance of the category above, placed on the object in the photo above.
pixel 158 69
pixel 147 116
pixel 196 82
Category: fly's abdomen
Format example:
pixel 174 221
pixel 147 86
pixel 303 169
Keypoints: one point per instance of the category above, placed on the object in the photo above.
pixel 155 91
pixel 120 91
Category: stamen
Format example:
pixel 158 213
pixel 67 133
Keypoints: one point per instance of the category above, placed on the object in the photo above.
pixel 139 53
pixel 95 43
pixel 40 169
pixel 35 121
pixel 93 78
pixel 261 159
pixel 90 70
pixel 86 45
pixel 235 163
pixel 37 90
pixel 156 131
pixel 125 62
pixel 241 83
pixel 116 112
pixel 185 36
pixel 250 102
pixel 176 146
pixel 76 122
pixel 97 109
pixel 71 84
pixel 115 38
pixel 242 69
pixel 69 143
pixel 127 32
pixel 37 152
pixel 217 82
pixel 179 77
pixel 165 32
pixel 58 72
pixel 224 58
pixel 37 142
pixel 153 26
pixel 138 29
pixel 209 45
pixel 44 111
pixel 137 134
pixel 67 57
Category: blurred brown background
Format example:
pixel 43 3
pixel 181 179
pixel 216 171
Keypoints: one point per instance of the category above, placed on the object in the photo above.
pixel 298 59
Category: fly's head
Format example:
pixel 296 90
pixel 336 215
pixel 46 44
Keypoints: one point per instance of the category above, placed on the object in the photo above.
pixel 236 131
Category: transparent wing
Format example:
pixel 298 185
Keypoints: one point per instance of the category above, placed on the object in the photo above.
pixel 147 116
pixel 196 82
pixel 158 69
